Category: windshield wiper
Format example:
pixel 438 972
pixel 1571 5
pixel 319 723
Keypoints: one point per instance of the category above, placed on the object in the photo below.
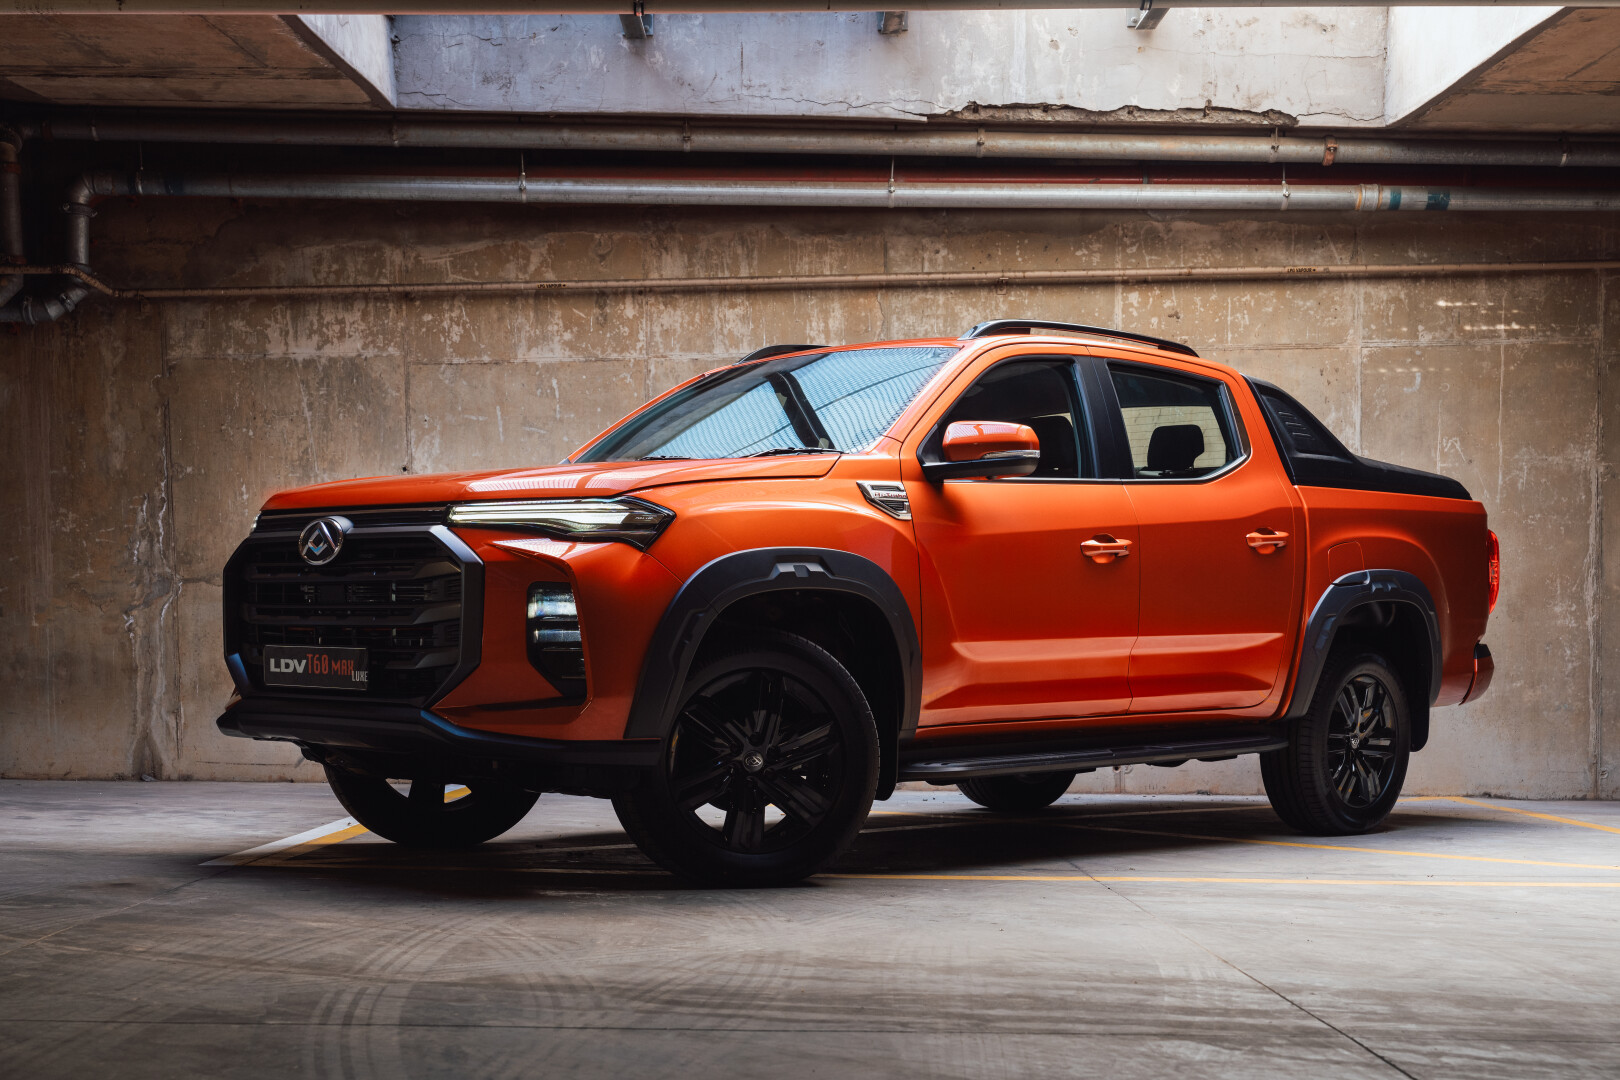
pixel 663 457
pixel 797 450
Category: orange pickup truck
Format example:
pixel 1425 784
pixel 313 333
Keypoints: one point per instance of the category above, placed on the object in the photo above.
pixel 760 601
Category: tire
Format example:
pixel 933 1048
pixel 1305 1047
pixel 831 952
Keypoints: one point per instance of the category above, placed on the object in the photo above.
pixel 1021 793
pixel 425 820
pixel 774 724
pixel 1333 779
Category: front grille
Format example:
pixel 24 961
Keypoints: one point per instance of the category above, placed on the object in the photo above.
pixel 396 595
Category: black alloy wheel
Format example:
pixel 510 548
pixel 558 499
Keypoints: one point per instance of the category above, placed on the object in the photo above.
pixel 768 772
pixel 1347 756
pixel 1361 742
pixel 424 818
pixel 1019 793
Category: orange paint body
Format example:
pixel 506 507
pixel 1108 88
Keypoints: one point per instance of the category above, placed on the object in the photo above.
pixel 1040 604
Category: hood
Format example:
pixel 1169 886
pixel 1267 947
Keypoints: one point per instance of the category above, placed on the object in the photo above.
pixel 592 480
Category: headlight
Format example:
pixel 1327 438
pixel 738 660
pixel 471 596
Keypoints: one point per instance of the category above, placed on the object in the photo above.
pixel 634 521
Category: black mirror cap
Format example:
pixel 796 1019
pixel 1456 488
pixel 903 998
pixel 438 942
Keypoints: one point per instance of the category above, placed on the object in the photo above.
pixel 1015 463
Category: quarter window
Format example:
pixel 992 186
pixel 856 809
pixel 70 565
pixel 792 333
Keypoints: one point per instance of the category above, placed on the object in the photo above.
pixel 1178 425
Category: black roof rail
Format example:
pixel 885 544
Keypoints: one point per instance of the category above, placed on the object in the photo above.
pixel 777 350
pixel 1029 326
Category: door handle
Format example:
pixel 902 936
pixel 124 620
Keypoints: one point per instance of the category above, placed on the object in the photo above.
pixel 1266 541
pixel 1104 549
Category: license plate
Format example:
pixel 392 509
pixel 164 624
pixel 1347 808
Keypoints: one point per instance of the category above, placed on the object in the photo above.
pixel 315 666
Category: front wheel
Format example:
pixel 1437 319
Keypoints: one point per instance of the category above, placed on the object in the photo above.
pixel 1346 759
pixel 769 771
pixel 423 818
pixel 1020 793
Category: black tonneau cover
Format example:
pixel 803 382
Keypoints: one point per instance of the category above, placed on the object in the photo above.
pixel 1314 458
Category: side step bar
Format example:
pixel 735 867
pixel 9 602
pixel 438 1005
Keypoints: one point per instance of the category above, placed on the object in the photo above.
pixel 947 765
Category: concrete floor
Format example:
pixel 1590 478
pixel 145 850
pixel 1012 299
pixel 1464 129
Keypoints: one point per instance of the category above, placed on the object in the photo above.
pixel 1119 936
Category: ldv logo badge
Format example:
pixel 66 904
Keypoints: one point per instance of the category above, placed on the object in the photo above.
pixel 288 666
pixel 322 539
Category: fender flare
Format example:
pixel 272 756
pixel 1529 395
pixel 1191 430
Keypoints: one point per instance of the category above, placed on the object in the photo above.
pixel 724 581
pixel 1347 593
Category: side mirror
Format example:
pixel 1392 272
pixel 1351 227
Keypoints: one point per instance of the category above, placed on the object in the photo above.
pixel 985 448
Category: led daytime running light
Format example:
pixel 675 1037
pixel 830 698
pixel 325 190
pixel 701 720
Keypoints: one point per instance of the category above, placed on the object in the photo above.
pixel 632 521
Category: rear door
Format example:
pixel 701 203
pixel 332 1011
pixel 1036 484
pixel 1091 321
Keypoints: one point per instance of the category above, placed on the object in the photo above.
pixel 1219 540
pixel 1017 622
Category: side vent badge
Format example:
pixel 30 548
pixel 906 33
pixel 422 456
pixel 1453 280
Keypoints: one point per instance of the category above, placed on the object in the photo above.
pixel 888 496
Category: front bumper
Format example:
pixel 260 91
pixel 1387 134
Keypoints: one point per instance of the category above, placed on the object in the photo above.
pixel 401 741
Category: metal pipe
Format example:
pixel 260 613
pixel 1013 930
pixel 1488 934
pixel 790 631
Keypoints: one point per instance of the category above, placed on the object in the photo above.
pixel 945 278
pixel 31 310
pixel 673 7
pixel 412 133
pixel 11 229
pixel 729 193
pixel 852 194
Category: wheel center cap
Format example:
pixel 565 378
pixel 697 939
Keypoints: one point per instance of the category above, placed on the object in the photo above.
pixel 753 761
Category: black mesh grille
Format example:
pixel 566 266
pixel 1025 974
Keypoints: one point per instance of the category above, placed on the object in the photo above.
pixel 397 596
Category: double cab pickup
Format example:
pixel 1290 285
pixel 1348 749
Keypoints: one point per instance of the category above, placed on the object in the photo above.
pixel 756 604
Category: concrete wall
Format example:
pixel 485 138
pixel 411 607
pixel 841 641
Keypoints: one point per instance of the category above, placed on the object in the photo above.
pixel 141 439
pixel 1312 66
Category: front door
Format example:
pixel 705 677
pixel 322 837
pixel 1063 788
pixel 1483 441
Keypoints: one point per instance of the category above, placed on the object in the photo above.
pixel 1019 623
pixel 1219 542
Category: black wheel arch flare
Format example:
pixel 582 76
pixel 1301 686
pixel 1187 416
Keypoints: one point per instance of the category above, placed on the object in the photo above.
pixel 1334 608
pixel 721 583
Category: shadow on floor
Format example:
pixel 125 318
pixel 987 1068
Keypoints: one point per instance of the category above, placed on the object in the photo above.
pixel 950 840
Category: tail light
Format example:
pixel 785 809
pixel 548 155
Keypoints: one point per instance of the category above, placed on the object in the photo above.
pixel 555 645
pixel 1495 571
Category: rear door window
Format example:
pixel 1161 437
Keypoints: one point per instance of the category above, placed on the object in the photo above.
pixel 1178 426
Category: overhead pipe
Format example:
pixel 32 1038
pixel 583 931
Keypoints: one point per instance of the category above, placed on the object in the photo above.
pixel 728 193
pixel 893 194
pixel 672 7
pixel 798 282
pixel 411 133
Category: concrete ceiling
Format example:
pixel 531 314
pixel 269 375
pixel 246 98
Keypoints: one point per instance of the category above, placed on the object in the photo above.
pixel 1498 69
pixel 1565 78
pixel 218 61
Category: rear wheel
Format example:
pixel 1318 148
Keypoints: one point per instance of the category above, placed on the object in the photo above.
pixel 1346 759
pixel 769 770
pixel 1021 792
pixel 423 818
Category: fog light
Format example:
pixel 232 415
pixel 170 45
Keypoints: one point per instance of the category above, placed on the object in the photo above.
pixel 555 647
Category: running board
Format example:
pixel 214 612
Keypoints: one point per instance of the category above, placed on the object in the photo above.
pixel 962 762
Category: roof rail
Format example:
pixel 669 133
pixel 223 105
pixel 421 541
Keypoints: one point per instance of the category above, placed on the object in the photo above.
pixel 776 350
pixel 1029 326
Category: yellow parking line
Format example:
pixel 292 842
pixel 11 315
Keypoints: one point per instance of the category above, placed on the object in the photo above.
pixel 279 851
pixel 1526 813
pixel 1346 847
pixel 1231 880
pixel 320 841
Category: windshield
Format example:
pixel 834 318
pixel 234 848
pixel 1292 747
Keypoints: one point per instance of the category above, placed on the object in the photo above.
pixel 818 402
